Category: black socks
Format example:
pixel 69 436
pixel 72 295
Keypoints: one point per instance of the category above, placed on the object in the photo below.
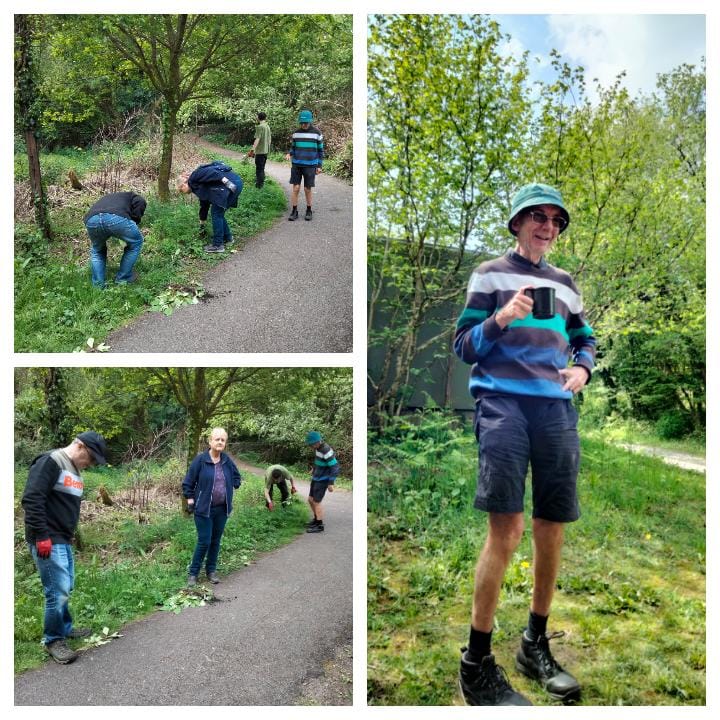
pixel 537 625
pixel 479 645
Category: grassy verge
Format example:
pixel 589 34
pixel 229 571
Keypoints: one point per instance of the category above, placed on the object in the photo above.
pixel 133 560
pixel 631 594
pixel 56 307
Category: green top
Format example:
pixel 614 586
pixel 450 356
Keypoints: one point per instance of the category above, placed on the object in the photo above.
pixel 262 133
pixel 284 472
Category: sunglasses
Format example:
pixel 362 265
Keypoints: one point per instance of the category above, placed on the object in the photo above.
pixel 541 218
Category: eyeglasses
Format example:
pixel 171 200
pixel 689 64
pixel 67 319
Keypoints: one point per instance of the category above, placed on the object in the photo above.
pixel 541 218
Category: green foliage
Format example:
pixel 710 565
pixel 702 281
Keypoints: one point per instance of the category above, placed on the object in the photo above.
pixel 633 567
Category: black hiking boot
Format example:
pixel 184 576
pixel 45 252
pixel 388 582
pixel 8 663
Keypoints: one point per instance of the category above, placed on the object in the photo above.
pixel 308 214
pixel 486 683
pixel 319 527
pixel 311 523
pixel 60 652
pixel 535 660
pixel 293 214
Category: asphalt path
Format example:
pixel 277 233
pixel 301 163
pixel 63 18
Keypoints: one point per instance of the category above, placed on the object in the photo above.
pixel 288 290
pixel 274 625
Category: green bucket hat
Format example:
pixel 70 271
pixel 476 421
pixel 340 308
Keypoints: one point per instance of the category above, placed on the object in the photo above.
pixel 312 437
pixel 536 194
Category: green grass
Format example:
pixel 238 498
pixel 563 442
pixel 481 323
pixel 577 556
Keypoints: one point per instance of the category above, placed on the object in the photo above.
pixel 56 307
pixel 631 591
pixel 126 569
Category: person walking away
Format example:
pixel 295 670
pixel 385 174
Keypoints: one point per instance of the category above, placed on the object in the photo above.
pixel 278 476
pixel 115 215
pixel 51 501
pixel 523 390
pixel 208 487
pixel 261 148
pixel 325 470
pixel 218 188
pixel 306 153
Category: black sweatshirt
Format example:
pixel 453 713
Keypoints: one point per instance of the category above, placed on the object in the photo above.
pixel 51 499
pixel 126 204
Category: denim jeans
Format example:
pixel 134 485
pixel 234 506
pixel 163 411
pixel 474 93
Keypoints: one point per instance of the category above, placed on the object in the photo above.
pixel 57 574
pixel 106 225
pixel 209 532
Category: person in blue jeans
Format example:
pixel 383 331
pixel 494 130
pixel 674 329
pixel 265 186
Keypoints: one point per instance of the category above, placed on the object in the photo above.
pixel 51 501
pixel 115 215
pixel 218 188
pixel 208 487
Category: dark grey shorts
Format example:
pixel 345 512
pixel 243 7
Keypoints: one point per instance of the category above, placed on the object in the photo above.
pixel 514 431
pixel 317 490
pixel 303 172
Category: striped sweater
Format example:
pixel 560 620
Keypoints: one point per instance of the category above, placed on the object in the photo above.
pixel 525 357
pixel 307 147
pixel 326 468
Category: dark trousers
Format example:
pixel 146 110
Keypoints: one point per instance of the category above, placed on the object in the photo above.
pixel 284 492
pixel 260 161
pixel 209 533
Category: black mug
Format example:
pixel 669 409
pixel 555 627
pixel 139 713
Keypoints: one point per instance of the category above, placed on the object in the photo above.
pixel 543 302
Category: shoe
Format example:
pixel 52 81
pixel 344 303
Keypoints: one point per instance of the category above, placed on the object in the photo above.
pixel 535 660
pixel 308 214
pixel 213 577
pixel 192 580
pixel 214 248
pixel 79 633
pixel 311 523
pixel 60 652
pixel 293 214
pixel 486 683
pixel 316 528
pixel 133 278
pixel 230 241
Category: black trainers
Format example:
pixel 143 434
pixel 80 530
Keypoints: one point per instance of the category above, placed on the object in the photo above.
pixel 319 527
pixel 293 214
pixel 76 633
pixel 535 660
pixel 214 248
pixel 486 683
pixel 308 214
pixel 60 652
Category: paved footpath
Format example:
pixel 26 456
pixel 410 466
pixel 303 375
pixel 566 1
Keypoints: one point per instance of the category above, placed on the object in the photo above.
pixel 274 626
pixel 288 290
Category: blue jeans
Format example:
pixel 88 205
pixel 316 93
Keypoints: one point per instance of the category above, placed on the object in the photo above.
pixel 221 229
pixel 100 228
pixel 209 531
pixel 57 574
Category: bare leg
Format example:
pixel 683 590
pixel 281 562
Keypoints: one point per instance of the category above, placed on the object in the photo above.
pixel 504 534
pixel 316 507
pixel 294 194
pixel 547 546
pixel 308 196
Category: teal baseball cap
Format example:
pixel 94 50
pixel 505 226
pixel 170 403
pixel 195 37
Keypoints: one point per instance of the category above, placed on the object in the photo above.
pixel 536 194
pixel 305 116
pixel 312 437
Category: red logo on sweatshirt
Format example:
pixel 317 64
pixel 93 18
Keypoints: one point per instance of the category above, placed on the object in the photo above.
pixel 70 481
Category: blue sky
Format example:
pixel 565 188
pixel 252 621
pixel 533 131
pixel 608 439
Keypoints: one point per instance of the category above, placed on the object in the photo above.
pixel 642 45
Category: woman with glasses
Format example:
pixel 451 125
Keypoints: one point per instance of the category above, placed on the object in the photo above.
pixel 523 391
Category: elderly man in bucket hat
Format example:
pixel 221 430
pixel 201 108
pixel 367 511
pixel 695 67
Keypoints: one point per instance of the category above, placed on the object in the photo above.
pixel 51 501
pixel 523 391
pixel 306 152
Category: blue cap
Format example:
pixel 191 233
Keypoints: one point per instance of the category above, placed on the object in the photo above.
pixel 536 194
pixel 305 116
pixel 312 437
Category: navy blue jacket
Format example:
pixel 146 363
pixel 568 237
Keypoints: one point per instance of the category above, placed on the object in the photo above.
pixel 206 182
pixel 198 482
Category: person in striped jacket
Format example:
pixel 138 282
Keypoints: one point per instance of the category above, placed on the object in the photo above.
pixel 306 152
pixel 523 389
pixel 325 470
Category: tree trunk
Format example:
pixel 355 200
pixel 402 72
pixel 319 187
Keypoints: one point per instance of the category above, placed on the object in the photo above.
pixel 169 123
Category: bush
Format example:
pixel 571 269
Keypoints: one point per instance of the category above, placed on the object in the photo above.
pixel 673 425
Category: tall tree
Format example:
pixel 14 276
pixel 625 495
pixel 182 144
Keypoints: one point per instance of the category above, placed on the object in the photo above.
pixel 26 112
pixel 443 140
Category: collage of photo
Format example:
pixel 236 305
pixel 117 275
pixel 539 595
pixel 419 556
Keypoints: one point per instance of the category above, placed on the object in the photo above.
pixel 359 359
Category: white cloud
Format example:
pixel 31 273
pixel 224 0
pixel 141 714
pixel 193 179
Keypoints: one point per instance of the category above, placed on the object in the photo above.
pixel 642 45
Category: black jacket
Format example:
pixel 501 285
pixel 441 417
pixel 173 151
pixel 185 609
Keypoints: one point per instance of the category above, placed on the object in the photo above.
pixel 51 501
pixel 126 204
